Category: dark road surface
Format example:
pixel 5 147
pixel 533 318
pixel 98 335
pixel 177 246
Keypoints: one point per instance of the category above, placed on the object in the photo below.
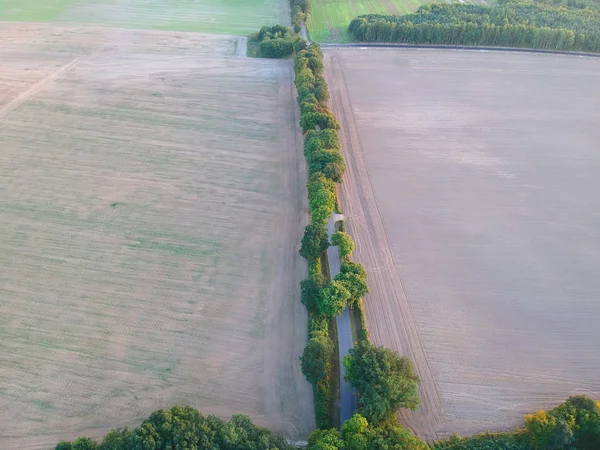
pixel 345 343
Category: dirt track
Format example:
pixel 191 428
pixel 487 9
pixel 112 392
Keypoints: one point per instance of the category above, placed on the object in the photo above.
pixel 389 317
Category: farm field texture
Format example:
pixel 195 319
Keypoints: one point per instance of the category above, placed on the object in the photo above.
pixel 150 224
pixel 329 19
pixel 471 194
pixel 221 16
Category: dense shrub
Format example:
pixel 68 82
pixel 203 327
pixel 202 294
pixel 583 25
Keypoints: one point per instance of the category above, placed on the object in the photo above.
pixel 485 441
pixel 321 198
pixel 277 41
pixel 358 434
pixel 509 23
pixel 317 356
pixel 355 283
pixel 344 243
pixel 320 140
pixel 318 326
pixel 314 241
pixel 182 428
pixel 276 48
pixel 384 380
pixel 333 298
pixel 574 424
pixel 310 289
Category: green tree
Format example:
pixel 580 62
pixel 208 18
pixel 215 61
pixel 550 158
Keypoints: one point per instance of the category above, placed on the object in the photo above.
pixel 310 290
pixel 276 48
pixel 314 241
pixel 344 243
pixel 117 439
pixel 356 285
pixel 333 299
pixel 353 267
pixel 316 359
pixel 330 162
pixel 84 443
pixel 546 431
pixel 63 445
pixel 394 436
pixel 354 433
pixel 354 278
pixel 321 204
pixel 145 437
pixel 325 440
pixel 578 422
pixel 320 140
pixel 323 120
pixel 384 380
pixel 184 428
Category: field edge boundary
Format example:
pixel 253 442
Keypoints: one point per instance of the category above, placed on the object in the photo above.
pixel 461 47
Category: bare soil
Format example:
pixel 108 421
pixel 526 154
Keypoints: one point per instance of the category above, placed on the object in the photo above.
pixel 471 195
pixel 152 198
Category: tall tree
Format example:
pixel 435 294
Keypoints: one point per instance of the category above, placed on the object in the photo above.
pixel 333 299
pixel 314 241
pixel 384 380
pixel 344 243
pixel 316 358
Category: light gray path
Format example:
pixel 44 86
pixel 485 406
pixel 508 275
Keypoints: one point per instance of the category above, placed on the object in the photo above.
pixel 304 33
pixel 242 46
pixel 345 343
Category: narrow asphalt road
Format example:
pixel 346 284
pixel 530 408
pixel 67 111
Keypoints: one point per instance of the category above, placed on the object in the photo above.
pixel 344 332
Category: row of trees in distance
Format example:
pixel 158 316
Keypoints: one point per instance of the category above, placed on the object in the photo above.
pixel 507 23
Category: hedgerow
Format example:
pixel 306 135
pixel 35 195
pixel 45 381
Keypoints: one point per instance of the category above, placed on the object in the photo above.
pixel 323 298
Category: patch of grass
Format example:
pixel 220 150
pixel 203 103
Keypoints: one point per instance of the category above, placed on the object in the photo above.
pixel 43 404
pixel 329 19
pixel 334 405
pixel 33 10
pixel 253 49
pixel 355 324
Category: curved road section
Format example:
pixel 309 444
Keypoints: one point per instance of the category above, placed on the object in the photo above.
pixel 344 332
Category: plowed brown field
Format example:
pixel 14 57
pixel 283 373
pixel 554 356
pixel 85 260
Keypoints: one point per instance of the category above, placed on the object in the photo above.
pixel 471 193
pixel 151 202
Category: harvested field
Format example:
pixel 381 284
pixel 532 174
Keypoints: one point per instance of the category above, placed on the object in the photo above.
pixel 224 16
pixel 471 194
pixel 151 204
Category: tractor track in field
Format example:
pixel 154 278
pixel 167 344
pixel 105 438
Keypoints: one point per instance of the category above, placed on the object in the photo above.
pixel 388 313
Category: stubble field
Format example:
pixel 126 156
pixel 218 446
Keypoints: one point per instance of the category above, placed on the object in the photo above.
pixel 152 196
pixel 471 193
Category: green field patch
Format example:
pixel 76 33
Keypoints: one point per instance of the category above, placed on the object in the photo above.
pixel 329 19
pixel 33 10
